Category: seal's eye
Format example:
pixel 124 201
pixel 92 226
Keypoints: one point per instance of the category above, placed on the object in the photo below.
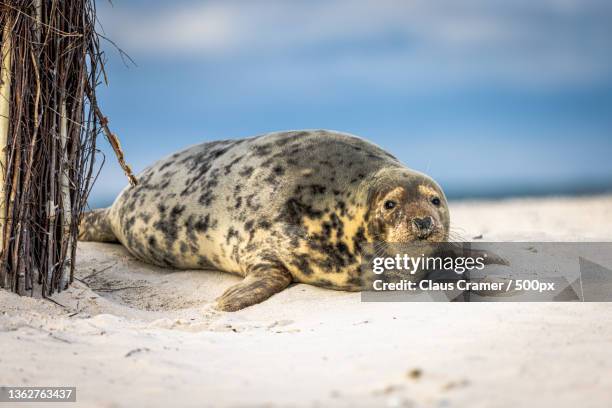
pixel 390 204
pixel 435 201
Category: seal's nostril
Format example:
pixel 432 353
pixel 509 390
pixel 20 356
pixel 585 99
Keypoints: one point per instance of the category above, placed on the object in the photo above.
pixel 422 224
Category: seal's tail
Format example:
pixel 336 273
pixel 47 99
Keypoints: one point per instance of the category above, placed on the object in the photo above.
pixel 95 226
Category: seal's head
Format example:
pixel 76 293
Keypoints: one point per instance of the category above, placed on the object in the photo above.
pixel 407 206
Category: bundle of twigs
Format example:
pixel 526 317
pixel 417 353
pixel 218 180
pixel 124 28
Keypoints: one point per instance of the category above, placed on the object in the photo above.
pixel 49 121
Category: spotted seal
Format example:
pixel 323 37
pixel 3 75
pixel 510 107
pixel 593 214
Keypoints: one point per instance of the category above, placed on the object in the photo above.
pixel 284 207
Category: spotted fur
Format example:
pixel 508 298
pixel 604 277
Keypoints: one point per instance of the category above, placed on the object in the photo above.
pixel 277 208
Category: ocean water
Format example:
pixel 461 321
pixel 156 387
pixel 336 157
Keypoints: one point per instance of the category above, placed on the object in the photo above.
pixel 489 191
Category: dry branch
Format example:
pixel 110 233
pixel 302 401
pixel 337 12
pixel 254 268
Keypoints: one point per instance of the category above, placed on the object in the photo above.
pixel 116 145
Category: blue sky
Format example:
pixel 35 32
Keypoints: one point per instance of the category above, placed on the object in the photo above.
pixel 485 96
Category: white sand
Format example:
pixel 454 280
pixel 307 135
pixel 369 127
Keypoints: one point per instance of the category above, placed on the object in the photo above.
pixel 137 335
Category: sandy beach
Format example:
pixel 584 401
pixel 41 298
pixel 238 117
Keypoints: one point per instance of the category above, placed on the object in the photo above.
pixel 129 334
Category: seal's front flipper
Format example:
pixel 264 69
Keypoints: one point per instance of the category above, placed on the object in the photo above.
pixel 255 288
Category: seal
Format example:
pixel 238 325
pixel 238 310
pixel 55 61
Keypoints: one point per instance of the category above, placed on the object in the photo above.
pixel 295 206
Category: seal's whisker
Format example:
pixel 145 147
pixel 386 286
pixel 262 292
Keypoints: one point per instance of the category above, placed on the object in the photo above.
pixel 452 233
pixel 380 248
pixel 383 248
pixel 453 237
pixel 455 228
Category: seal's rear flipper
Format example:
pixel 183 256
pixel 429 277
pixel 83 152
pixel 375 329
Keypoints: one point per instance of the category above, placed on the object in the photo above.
pixel 255 288
pixel 95 226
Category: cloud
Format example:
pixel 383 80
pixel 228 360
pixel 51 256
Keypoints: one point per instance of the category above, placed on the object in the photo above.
pixel 520 42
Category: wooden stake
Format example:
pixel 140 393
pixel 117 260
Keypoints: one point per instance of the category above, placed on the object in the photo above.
pixel 5 109
pixel 65 185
